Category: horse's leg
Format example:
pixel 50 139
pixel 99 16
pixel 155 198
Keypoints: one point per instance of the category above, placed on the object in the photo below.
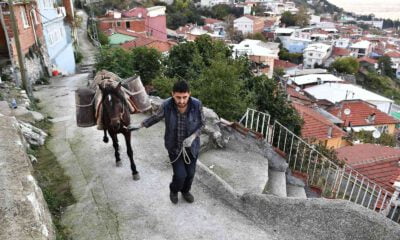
pixel 116 148
pixel 135 173
pixel 105 138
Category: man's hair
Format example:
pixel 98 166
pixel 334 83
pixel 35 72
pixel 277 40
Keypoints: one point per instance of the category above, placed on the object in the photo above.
pixel 181 87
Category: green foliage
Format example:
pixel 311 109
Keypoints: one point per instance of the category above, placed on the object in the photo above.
pixel 288 19
pixel 366 137
pixel 270 98
pixel 78 56
pixel 257 36
pixel 300 19
pixel 385 66
pixel 296 58
pixel 330 153
pixel 182 12
pixel 347 65
pixel 103 38
pixel 143 61
pixel 146 62
pixel 163 86
pixel 221 88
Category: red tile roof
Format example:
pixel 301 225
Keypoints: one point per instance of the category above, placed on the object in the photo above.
pixel 283 64
pixel 211 21
pixel 291 90
pixel 340 52
pixel 368 60
pixel 359 113
pixel 161 46
pixel 315 125
pixel 393 54
pixel 376 162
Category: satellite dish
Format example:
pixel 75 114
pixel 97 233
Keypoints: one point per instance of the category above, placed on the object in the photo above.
pixel 297 89
pixel 289 82
pixel 347 111
pixel 376 134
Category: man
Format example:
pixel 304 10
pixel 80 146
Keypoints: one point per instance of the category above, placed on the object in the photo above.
pixel 184 121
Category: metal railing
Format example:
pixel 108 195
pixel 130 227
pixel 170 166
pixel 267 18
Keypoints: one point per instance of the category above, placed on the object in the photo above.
pixel 331 179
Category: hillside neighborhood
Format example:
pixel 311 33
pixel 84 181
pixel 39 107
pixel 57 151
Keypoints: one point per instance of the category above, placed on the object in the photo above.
pixel 319 86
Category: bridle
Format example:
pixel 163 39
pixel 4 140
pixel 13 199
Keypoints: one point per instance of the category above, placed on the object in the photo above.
pixel 120 115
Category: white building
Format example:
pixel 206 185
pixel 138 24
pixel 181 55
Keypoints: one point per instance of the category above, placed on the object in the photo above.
pixel 249 24
pixel 395 57
pixel 258 51
pixel 342 43
pixel 316 53
pixel 313 79
pixel 210 3
pixel 361 49
pixel 337 92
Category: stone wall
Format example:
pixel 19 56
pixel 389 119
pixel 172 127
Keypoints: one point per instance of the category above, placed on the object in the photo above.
pixel 23 211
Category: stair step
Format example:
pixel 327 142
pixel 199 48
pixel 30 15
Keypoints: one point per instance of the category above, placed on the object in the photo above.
pixel 276 183
pixel 295 191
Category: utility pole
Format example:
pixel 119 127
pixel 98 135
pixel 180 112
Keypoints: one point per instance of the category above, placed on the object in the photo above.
pixel 25 82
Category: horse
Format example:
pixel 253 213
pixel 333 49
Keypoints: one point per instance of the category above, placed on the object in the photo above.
pixel 116 118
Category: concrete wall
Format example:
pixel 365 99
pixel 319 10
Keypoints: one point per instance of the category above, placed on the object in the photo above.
pixel 308 219
pixel 23 211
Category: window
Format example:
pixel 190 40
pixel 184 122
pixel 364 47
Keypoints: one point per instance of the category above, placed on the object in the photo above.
pixel 128 25
pixel 118 24
pixel 48 4
pixel 310 54
pixel 56 35
pixel 24 18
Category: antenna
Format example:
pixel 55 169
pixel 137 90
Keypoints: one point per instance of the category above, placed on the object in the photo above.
pixel 376 134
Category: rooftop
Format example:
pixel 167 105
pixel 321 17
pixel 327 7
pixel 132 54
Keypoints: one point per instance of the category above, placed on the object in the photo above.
pixel 360 113
pixel 117 38
pixel 361 44
pixel 378 163
pixel 320 47
pixel 315 78
pixel 316 125
pixel 336 92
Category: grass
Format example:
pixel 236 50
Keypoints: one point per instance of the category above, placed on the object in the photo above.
pixel 54 183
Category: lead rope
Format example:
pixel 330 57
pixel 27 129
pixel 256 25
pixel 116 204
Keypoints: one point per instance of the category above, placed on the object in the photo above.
pixel 186 157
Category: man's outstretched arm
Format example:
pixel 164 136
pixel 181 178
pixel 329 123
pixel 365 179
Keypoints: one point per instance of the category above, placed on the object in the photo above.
pixel 148 122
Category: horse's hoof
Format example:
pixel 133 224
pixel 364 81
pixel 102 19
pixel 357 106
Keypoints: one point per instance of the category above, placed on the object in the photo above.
pixel 118 163
pixel 136 176
pixel 105 139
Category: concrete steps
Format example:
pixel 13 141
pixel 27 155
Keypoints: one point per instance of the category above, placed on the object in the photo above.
pixel 276 183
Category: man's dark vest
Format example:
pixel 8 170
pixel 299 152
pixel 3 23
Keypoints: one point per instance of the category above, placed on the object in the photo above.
pixel 193 124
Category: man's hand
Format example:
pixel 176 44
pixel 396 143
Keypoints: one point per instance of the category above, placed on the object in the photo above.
pixel 187 143
pixel 135 127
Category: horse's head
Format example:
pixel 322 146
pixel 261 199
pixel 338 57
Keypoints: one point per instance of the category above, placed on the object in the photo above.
pixel 114 107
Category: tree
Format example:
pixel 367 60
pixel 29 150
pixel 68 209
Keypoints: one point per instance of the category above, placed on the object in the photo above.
pixel 302 18
pixel 114 60
pixel 288 19
pixel 347 65
pixel 268 97
pixel 284 54
pixel 385 66
pixel 103 38
pixel 146 62
pixel 257 36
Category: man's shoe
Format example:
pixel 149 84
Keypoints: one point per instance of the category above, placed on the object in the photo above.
pixel 173 197
pixel 188 197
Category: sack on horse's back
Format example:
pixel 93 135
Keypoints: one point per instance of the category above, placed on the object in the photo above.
pixel 137 93
pixel 85 110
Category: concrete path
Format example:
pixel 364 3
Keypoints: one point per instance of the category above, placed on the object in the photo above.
pixel 85 46
pixel 110 205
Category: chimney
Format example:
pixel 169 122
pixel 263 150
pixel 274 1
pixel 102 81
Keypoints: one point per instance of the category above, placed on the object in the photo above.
pixel 371 118
pixel 330 129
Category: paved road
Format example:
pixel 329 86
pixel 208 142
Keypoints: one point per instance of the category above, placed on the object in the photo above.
pixel 85 46
pixel 113 206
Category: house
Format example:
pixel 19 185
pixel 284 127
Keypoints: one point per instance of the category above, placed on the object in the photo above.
pixel 360 115
pixel 314 79
pixel 284 65
pixel 249 24
pixel 337 92
pixel 210 3
pixel 361 49
pixel 342 43
pixel 316 54
pixel 378 163
pixel 262 53
pixel 33 46
pixel 368 63
pixel 395 57
pixel 318 129
pixel 149 21
pixel 57 35
pixel 340 52
pixel 297 41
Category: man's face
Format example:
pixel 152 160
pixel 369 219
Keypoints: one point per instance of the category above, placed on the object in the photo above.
pixel 181 98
